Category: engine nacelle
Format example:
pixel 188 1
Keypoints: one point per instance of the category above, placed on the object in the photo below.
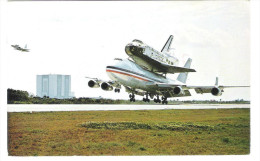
pixel 216 91
pixel 105 86
pixel 93 84
pixel 178 90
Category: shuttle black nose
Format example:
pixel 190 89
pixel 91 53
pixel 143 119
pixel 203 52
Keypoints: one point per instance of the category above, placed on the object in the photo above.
pixel 128 49
pixel 131 50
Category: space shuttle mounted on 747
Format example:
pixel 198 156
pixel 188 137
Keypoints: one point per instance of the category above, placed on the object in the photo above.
pixel 153 60
pixel 143 75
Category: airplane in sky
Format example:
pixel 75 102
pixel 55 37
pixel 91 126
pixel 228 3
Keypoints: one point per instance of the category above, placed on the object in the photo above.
pixel 153 60
pixel 17 47
pixel 139 81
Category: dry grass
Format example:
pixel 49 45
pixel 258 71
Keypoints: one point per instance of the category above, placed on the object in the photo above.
pixel 155 132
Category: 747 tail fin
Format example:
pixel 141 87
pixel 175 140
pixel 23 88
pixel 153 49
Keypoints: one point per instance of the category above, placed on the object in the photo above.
pixel 182 77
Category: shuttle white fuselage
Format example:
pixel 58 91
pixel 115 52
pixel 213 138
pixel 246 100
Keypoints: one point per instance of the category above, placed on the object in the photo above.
pixel 153 60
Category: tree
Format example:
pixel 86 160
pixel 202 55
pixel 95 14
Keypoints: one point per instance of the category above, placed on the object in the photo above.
pixel 16 95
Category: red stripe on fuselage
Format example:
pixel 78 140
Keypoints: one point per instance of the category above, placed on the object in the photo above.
pixel 126 74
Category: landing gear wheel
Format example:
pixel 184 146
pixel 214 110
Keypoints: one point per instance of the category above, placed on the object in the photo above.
pixel 132 97
pixel 157 100
pixel 117 90
pixel 164 100
pixel 146 100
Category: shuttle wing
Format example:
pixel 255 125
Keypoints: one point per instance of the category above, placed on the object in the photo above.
pixel 164 68
pixel 175 69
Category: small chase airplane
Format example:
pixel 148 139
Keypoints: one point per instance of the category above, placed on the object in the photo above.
pixel 139 81
pixel 153 60
pixel 17 47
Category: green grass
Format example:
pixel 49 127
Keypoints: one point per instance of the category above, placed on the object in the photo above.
pixel 149 132
pixel 173 126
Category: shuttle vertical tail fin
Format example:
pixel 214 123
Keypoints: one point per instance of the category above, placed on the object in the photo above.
pixel 167 44
pixel 182 77
pixel 216 83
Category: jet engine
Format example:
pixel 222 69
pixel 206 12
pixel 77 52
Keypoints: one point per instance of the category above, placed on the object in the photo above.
pixel 178 90
pixel 216 91
pixel 105 86
pixel 93 84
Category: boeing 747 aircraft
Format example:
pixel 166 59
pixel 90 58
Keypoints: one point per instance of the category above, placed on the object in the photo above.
pixel 139 81
pixel 153 60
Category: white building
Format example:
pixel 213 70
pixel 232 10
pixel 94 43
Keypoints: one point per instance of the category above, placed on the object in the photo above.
pixel 54 86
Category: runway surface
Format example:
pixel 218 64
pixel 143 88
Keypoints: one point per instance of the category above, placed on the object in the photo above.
pixel 99 107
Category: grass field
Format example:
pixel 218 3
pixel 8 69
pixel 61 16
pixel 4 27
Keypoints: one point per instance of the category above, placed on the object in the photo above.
pixel 154 132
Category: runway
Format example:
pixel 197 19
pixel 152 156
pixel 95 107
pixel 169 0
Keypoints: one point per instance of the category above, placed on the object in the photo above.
pixel 101 107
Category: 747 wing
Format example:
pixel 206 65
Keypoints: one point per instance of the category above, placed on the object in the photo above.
pixel 214 90
pixel 177 90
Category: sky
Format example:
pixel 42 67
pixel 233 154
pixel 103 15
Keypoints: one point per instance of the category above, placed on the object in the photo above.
pixel 81 38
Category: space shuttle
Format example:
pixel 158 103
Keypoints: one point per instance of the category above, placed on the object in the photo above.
pixel 153 60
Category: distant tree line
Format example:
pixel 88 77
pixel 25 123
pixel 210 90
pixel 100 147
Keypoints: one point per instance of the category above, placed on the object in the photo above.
pixel 23 97
pixel 17 95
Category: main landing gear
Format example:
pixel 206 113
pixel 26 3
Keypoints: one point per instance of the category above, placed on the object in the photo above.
pixel 157 99
pixel 164 100
pixel 146 99
pixel 117 90
pixel 132 97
